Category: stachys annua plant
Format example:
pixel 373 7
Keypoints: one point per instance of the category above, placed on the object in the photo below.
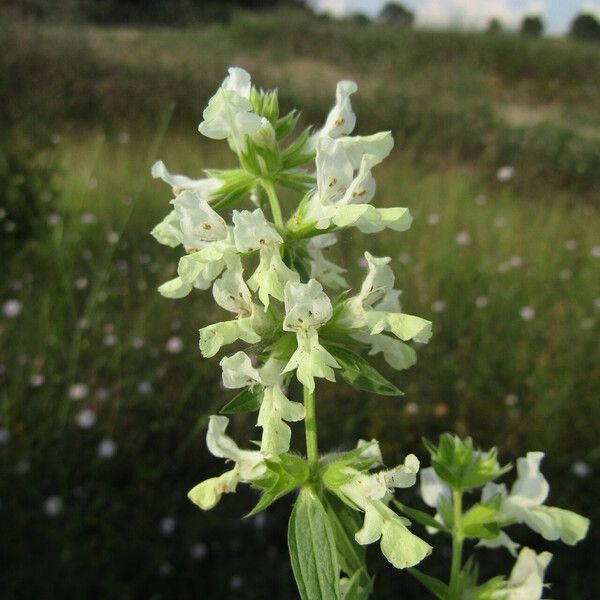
pixel 291 306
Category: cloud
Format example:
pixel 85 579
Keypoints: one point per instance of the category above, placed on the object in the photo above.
pixel 591 8
pixel 337 8
pixel 470 14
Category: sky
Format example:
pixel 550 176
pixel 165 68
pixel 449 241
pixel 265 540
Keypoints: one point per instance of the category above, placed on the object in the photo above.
pixel 472 14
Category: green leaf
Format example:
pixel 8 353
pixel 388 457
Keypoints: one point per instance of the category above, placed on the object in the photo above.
pixel 283 348
pixel 285 473
pixel 286 124
pixel 480 520
pixel 438 588
pixel 355 588
pixel 312 549
pixel 345 522
pixel 359 373
pixel 421 517
pixel 248 400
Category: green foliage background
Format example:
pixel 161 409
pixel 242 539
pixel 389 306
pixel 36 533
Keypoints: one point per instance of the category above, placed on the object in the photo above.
pixel 102 105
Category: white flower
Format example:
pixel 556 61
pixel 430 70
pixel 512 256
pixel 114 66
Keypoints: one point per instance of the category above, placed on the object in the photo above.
pixel 526 580
pixel 307 308
pixel 174 345
pixel 12 308
pixel 376 308
pixel 341 118
pixel 525 504
pixel 248 465
pixel 53 506
pixel 505 173
pixel 345 186
pixel 229 113
pixel 167 525
pixel 78 391
pixel 527 313
pixel 369 492
pixel 86 418
pixel 581 469
pixel 481 301
pixel 321 269
pixel 433 491
pixel 107 448
pixel 275 407
pixel 180 183
pixel 253 232
pixel 463 238
pixel 232 293
pixel 438 306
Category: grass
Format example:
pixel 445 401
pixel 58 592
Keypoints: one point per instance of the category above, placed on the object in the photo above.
pixel 479 253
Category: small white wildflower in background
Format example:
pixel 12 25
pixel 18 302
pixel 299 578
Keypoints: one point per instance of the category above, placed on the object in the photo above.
pixel 12 308
pixel 53 506
pixel 144 388
pixel 78 391
pixel 362 262
pixel 596 252
pixel 438 306
pixel 481 200
pixel 124 137
pixel 86 418
pixel 571 245
pixel 463 238
pixel 56 138
pixel 503 267
pixel 587 323
pixel 81 283
pixel 516 262
pixel 527 313
pixel 597 303
pixel 404 258
pixel 511 400
pixel 236 583
pixel 165 569
pixel 565 274
pixel 167 525
pixel 259 521
pixel 411 408
pixel 82 323
pixel 2 213
pixel 500 221
pixel 92 183
pixel 174 345
pixel 112 237
pixel 88 218
pixel 22 467
pixel 481 301
pixel 37 380
pixel 110 339
pixel 433 219
pixel 505 173
pixel 199 551
pixel 581 469
pixel 4 435
pixel 53 219
pixel 107 448
pixel 137 343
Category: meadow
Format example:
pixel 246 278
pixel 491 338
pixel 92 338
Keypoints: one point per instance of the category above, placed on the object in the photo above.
pixel 104 395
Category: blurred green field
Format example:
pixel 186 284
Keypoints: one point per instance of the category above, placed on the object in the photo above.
pixel 104 394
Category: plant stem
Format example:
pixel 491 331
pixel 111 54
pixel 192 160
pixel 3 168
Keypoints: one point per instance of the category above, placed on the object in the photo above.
pixel 457 545
pixel 273 202
pixel 310 426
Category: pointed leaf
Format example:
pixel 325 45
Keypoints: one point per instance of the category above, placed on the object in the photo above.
pixel 312 549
